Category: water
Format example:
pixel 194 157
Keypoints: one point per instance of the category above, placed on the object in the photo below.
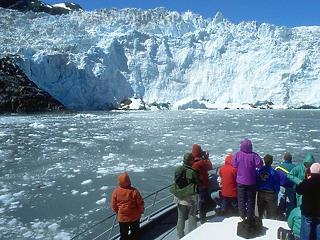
pixel 57 172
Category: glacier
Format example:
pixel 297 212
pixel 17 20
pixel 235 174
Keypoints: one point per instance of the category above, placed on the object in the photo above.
pixel 91 60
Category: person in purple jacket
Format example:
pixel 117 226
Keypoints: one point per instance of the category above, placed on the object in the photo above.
pixel 246 161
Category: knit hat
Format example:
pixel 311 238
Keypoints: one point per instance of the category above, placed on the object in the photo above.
pixel 315 168
pixel 287 157
pixel 268 160
pixel 188 158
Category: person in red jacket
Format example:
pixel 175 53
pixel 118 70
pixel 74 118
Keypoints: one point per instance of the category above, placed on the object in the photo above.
pixel 228 175
pixel 202 164
pixel 128 204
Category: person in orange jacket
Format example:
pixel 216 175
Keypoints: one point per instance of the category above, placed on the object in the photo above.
pixel 128 204
pixel 228 175
pixel 202 164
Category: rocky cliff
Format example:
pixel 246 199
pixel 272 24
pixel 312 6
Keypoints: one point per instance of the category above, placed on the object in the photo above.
pixel 20 95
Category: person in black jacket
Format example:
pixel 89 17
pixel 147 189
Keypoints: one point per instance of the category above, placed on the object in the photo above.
pixel 310 190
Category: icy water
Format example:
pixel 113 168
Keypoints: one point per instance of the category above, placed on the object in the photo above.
pixel 57 172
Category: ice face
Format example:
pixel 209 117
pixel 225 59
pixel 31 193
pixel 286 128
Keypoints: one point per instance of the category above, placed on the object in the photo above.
pixel 95 60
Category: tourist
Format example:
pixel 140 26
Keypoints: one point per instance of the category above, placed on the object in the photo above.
pixel 128 204
pixel 228 175
pixel 294 222
pixel 309 189
pixel 300 172
pixel 202 164
pixel 185 194
pixel 246 161
pixel 287 200
pixel 268 186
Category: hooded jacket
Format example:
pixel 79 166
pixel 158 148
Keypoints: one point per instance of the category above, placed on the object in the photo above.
pixel 246 161
pixel 298 173
pixel 126 201
pixel 294 221
pixel 201 165
pixel 228 176
pixel 283 169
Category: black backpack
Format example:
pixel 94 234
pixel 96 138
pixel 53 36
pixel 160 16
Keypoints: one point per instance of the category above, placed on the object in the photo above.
pixel 180 177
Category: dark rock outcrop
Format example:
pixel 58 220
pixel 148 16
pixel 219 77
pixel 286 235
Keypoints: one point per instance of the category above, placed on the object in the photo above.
pixel 39 6
pixel 20 95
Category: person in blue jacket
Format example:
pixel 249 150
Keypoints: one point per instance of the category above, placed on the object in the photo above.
pixel 268 186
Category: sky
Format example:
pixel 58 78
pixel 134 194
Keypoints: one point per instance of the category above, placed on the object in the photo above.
pixel 288 13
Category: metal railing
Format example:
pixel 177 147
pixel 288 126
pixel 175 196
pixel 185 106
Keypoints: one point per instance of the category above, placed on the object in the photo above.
pixel 162 196
pixel 156 199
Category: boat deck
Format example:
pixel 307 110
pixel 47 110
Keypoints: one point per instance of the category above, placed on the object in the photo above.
pixel 225 228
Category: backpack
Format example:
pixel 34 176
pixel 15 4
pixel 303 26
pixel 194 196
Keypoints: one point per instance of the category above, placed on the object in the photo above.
pixel 180 177
pixel 247 230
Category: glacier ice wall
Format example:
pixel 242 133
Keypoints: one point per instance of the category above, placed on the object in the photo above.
pixel 94 60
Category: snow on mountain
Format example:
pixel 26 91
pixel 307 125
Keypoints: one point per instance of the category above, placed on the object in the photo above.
pixel 96 60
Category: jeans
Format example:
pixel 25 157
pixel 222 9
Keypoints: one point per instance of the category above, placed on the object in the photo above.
pixel 310 228
pixel 134 229
pixel 246 201
pixel 183 213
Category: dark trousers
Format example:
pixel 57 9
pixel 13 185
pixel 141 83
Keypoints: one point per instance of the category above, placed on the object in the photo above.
pixel 229 205
pixel 134 230
pixel 204 201
pixel 246 201
pixel 267 201
pixel 310 228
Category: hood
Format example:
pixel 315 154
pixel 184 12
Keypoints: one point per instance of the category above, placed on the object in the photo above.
pixel 196 151
pixel 228 159
pixel 246 146
pixel 124 180
pixel 308 158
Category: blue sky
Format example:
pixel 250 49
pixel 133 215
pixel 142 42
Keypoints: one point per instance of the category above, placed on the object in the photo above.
pixel 279 12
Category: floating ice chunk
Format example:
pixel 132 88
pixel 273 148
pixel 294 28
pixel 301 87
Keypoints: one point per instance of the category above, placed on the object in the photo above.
pixel 27 234
pixel 168 134
pixel 53 227
pixel 86 182
pixel 102 171
pixel 103 188
pixel 84 193
pixel 62 236
pixel 74 192
pixel 316 140
pixel 308 148
pixel 101 201
pixel 314 130
pixel 37 125
pixel 6 199
pixel 138 169
pixel 279 149
pixel 82 115
pixel 292 144
pixel 18 194
pixel 229 150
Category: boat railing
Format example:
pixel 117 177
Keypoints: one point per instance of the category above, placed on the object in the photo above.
pixel 155 203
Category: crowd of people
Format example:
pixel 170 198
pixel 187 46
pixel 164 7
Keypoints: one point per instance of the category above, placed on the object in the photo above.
pixel 250 187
